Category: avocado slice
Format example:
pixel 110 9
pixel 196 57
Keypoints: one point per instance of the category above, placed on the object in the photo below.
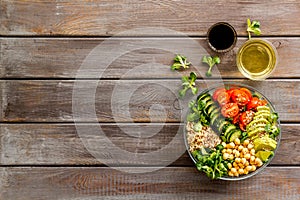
pixel 264 143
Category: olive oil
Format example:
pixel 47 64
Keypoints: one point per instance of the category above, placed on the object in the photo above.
pixel 256 59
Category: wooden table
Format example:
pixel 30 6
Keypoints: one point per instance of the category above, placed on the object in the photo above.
pixel 43 45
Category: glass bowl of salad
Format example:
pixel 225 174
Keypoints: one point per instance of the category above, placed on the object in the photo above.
pixel 232 131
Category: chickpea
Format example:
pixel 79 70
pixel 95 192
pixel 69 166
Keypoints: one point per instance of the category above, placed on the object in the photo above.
pixel 234 164
pixel 229 151
pixel 253 168
pixel 233 170
pixel 247 156
pixel 237 154
pixel 225 156
pixel 241 166
pixel 230 173
pixel 252 152
pixel 252 159
pixel 250 146
pixel 246 171
pixel 236 174
pixel 237 160
pixel 231 157
pixel 259 163
pixel 234 151
pixel 257 160
pixel 241 171
pixel 240 148
pixel 224 144
pixel 245 150
pixel 243 161
pixel 237 141
pixel 231 145
pixel 246 164
pixel 248 168
pixel 246 142
pixel 229 165
pixel 223 151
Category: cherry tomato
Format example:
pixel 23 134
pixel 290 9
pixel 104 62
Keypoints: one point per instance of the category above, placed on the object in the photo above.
pixel 254 102
pixel 230 110
pixel 246 117
pixel 230 91
pixel 247 92
pixel 242 127
pixel 217 92
pixel 240 97
pixel 236 119
pixel 223 98
pixel 262 102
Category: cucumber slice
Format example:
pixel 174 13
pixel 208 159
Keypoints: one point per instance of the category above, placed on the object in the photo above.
pixel 215 112
pixel 223 125
pixel 206 99
pixel 208 103
pixel 211 108
pixel 218 121
pixel 213 118
pixel 203 96
pixel 229 128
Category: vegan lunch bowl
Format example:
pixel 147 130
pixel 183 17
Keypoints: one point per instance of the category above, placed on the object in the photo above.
pixel 232 132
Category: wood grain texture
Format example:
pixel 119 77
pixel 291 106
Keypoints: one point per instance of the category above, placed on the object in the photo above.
pixel 62 58
pixel 168 183
pixel 59 144
pixel 150 100
pixel 109 17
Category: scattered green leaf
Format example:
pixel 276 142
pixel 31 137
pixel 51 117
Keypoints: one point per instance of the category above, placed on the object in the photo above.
pixel 180 62
pixel 188 82
pixel 211 61
pixel 253 27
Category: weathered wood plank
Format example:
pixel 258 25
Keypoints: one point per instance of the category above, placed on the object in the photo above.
pixel 122 101
pixel 110 17
pixel 59 144
pixel 168 183
pixel 62 58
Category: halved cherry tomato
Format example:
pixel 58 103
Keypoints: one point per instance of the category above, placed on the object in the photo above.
pixel 254 102
pixel 247 92
pixel 246 117
pixel 262 102
pixel 240 97
pixel 223 98
pixel 236 119
pixel 242 127
pixel 217 92
pixel 230 91
pixel 230 110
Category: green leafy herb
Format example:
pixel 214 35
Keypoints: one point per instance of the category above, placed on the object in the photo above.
pixel 212 163
pixel 211 61
pixel 253 27
pixel 198 127
pixel 180 62
pixel 188 82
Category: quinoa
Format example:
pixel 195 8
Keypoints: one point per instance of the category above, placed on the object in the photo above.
pixel 206 137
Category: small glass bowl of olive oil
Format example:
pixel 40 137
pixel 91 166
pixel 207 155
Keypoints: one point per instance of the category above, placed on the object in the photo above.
pixel 256 59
